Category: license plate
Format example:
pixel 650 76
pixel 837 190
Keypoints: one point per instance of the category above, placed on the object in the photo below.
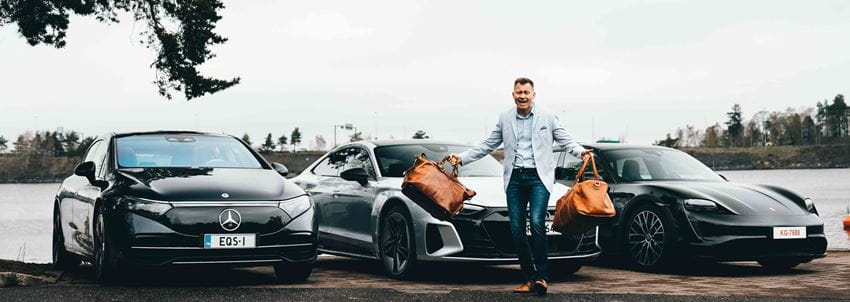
pixel 230 241
pixel 548 227
pixel 789 232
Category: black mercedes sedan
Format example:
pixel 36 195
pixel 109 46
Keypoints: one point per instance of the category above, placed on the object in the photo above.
pixel 670 205
pixel 181 198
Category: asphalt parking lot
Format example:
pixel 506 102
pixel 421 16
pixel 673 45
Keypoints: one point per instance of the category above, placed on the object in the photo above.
pixel 343 278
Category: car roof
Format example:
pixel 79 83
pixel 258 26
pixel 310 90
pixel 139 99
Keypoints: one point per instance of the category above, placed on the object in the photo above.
pixel 177 132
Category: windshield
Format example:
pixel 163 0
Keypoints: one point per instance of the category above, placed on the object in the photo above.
pixel 184 151
pixel 395 160
pixel 657 164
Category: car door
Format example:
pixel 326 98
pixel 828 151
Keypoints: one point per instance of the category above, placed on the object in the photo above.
pixel 356 200
pixel 323 190
pixel 83 193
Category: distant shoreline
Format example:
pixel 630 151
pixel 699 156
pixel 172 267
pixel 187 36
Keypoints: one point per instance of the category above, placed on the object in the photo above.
pixel 719 159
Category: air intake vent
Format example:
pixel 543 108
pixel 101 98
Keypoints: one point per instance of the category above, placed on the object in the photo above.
pixel 433 239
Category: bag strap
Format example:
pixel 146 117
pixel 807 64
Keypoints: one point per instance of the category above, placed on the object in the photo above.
pixel 580 175
pixel 442 162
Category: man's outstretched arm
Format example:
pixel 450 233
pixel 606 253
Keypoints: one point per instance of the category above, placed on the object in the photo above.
pixel 488 145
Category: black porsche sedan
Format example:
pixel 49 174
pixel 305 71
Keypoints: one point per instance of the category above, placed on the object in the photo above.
pixel 181 198
pixel 670 205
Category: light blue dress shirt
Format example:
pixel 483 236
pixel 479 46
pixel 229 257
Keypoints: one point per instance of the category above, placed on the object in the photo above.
pixel 524 152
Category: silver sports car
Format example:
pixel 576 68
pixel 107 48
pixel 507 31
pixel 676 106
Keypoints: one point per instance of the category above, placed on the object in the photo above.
pixel 362 212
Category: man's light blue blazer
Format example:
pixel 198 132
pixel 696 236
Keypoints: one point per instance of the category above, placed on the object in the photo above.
pixel 547 130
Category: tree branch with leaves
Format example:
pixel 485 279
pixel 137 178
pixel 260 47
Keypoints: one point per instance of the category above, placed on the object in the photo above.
pixel 179 31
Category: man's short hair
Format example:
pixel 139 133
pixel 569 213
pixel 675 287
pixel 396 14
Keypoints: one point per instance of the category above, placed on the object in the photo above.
pixel 523 81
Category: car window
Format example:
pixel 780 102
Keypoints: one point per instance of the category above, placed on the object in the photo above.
pixel 571 164
pixel 633 169
pixel 657 164
pixel 90 154
pixel 100 159
pixel 394 160
pixel 183 150
pixel 358 158
pixel 326 168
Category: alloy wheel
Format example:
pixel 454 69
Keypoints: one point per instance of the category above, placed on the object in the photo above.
pixel 646 238
pixel 100 243
pixel 58 244
pixel 396 244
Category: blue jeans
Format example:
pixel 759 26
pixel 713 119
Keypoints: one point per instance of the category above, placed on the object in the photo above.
pixel 524 189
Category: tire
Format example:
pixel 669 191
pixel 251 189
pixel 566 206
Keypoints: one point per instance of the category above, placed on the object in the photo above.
pixel 105 262
pixel 648 238
pixel 781 265
pixel 293 272
pixel 397 243
pixel 62 259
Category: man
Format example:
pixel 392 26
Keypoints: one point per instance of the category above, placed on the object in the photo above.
pixel 528 133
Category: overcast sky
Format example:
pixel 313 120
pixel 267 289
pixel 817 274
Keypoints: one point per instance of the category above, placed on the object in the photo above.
pixel 637 69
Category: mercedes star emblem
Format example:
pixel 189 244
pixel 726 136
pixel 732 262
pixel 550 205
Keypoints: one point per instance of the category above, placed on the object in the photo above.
pixel 229 220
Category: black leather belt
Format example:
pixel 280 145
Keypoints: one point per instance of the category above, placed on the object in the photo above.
pixel 525 170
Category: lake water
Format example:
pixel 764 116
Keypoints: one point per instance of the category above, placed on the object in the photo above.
pixel 25 209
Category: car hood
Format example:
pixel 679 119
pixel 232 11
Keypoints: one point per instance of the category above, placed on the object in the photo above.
pixel 743 199
pixel 490 191
pixel 207 184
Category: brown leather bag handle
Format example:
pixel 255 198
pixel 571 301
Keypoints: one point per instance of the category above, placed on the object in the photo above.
pixel 442 162
pixel 580 175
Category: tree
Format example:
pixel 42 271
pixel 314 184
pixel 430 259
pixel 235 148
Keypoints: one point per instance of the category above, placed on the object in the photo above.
pixel 84 145
pixel 809 130
pixel 420 135
pixel 71 142
pixel 281 142
pixel 3 142
pixel 319 143
pixel 268 144
pixel 752 133
pixel 356 137
pixel 734 126
pixel 712 136
pixel 179 31
pixel 295 138
pixel 837 114
pixel 247 139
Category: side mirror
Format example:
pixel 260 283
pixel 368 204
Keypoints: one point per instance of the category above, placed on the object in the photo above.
pixel 86 170
pixel 281 169
pixel 355 174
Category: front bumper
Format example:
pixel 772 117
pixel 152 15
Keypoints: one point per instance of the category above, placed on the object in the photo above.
pixel 486 237
pixel 744 238
pixel 146 241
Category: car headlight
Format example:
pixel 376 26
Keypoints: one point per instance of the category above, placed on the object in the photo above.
pixel 148 206
pixel 704 206
pixel 469 209
pixel 296 206
pixel 810 206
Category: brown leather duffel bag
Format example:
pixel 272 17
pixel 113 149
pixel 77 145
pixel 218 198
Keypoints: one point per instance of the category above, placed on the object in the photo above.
pixel 429 185
pixel 585 206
